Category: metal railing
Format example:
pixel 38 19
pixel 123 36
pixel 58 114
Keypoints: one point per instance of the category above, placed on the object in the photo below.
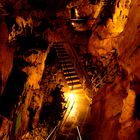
pixel 52 132
pixel 67 113
pixel 55 131
pixel 103 76
pixel 79 69
pixel 79 134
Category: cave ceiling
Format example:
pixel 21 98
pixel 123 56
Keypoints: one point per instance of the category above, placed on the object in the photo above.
pixel 19 6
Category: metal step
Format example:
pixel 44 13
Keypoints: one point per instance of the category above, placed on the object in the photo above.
pixel 76 87
pixel 74 83
pixel 68 69
pixel 61 51
pixel 65 61
pixel 70 81
pixel 67 65
pixel 77 90
pixel 61 42
pixel 72 78
pixel 59 48
pixel 63 56
pixel 70 74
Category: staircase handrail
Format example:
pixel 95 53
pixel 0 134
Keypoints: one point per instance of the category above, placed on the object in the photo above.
pixel 52 132
pixel 105 76
pixel 61 122
pixel 78 65
pixel 79 134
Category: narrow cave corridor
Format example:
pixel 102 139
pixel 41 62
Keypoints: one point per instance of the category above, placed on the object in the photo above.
pixel 69 70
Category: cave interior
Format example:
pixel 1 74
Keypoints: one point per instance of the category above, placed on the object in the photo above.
pixel 69 69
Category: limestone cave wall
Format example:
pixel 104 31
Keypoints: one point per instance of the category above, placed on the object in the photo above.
pixel 114 107
pixel 6 55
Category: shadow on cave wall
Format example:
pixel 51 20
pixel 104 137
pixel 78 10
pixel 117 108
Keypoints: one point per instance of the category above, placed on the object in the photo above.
pixel 13 90
pixel 137 107
pixel 24 45
pixel 52 57
pixel 31 42
pixel 53 107
pixel 53 112
pixel 135 85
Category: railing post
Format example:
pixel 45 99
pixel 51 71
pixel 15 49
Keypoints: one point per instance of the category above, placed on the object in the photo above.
pixel 79 135
pixel 51 133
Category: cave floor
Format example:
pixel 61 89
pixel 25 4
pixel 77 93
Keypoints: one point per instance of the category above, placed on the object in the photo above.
pixel 77 115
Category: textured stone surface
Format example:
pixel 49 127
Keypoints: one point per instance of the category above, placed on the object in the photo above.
pixel 39 133
pixel 35 71
pixel 6 55
pixel 113 111
pixel 5 128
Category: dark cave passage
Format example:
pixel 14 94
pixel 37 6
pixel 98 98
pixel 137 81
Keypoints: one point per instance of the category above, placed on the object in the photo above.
pixel 12 92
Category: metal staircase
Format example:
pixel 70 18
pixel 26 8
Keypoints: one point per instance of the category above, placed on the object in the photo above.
pixel 67 67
